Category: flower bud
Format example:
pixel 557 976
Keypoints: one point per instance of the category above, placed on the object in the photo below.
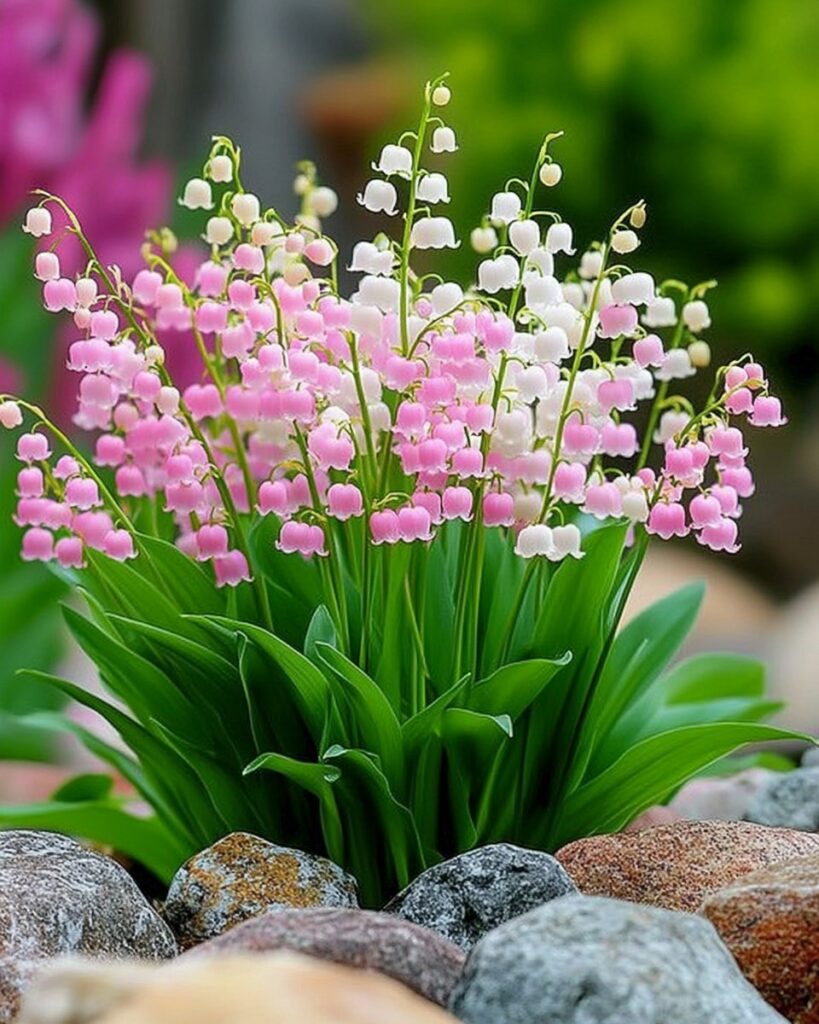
pixel 218 231
pixel 696 316
pixel 441 95
pixel 220 168
pixel 483 240
pixel 624 241
pixel 637 217
pixel 699 353
pixel 245 207
pixel 550 174
pixel 323 201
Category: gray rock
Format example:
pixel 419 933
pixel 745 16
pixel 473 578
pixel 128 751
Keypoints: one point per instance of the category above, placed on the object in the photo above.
pixel 593 960
pixel 58 897
pixel 415 956
pixel 790 800
pixel 810 758
pixel 469 895
pixel 243 876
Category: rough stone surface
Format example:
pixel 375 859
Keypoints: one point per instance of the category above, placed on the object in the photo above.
pixel 810 758
pixel 790 800
pixel 651 816
pixel 418 957
pixel 243 876
pixel 279 988
pixel 677 865
pixel 769 920
pixel 591 960
pixel 724 799
pixel 464 898
pixel 58 897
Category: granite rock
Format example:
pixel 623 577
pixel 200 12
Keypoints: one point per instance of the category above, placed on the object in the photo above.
pixel 677 865
pixel 592 960
pixel 469 895
pixel 790 800
pixel 769 920
pixel 416 956
pixel 243 876
pixel 58 897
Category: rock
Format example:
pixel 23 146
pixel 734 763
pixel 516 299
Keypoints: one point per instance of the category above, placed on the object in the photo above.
pixel 58 897
pixel 769 920
pixel 591 960
pixel 677 865
pixel 243 876
pixel 416 956
pixel 725 799
pixel 473 893
pixel 270 989
pixel 790 800
pixel 811 757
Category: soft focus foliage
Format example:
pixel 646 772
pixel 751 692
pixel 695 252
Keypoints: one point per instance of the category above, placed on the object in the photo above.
pixel 404 525
pixel 702 107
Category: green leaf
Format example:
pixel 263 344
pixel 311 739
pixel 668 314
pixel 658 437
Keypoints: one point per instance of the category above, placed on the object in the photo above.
pixel 648 773
pixel 321 629
pixel 511 689
pixel 315 778
pixel 84 787
pixel 370 713
pixel 185 582
pixel 102 821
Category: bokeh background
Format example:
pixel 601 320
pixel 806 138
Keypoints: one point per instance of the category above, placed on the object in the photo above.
pixel 706 109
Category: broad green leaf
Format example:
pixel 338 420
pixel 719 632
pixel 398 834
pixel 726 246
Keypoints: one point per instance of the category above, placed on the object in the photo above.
pixel 322 629
pixel 84 787
pixel 369 712
pixel 105 822
pixel 649 773
pixel 187 584
pixel 511 689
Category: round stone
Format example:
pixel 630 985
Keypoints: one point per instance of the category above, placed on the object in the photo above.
pixel 591 960
pixel 418 957
pixel 243 876
pixel 469 895
pixel 790 799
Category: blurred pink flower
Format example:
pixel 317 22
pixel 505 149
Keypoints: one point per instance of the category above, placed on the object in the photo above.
pixel 46 59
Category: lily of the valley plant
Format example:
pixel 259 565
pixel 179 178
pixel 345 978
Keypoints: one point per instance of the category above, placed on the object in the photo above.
pixel 358 589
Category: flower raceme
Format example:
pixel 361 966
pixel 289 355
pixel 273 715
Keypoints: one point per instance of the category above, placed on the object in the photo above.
pixel 411 403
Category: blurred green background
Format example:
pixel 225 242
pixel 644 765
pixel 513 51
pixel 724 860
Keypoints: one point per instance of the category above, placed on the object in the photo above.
pixel 707 109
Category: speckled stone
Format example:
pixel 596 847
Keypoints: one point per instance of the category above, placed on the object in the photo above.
pixel 243 876
pixel 58 897
pixel 591 960
pixel 790 800
pixel 769 919
pixel 810 758
pixel 677 865
pixel 277 988
pixel 469 895
pixel 418 957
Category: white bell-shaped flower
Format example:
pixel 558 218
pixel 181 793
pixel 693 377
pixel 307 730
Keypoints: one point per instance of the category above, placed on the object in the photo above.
pixel 542 260
pixel 383 292
pixel 322 201
pixel 379 197
pixel 552 345
pixel 219 230
pixel 366 319
pixel 524 236
pixel 532 383
pixel 535 540
pixel 565 543
pixel 676 365
pixel 671 423
pixel 696 316
pixel 369 259
pixel 660 312
pixel 433 188
pixel 498 274
pixel 559 238
pixel 505 207
pixel 635 506
pixel 246 208
pixel 443 140
pixel 433 233
pixel 197 195
pixel 542 290
pixel 591 263
pixel 394 160
pixel 634 289
pixel 573 293
pixel 220 168
pixel 445 297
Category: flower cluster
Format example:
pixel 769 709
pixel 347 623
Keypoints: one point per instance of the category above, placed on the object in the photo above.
pixel 410 403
